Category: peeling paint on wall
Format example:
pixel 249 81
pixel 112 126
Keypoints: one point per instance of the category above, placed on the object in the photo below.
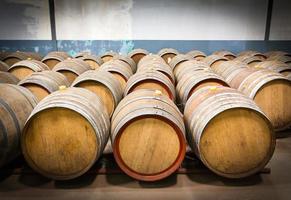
pixel 24 19
pixel 91 19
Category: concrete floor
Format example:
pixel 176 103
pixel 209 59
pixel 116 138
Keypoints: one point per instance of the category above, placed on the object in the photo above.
pixel 276 185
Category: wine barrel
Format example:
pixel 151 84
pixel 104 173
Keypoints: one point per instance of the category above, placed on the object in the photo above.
pixel 6 77
pixel 82 54
pixel 179 59
pixel 277 66
pixel 103 84
pixel 158 66
pixel 250 60
pixel 119 70
pixel 270 90
pixel 107 56
pixel 3 54
pixel 282 58
pixel 41 84
pixel 277 53
pixel 65 134
pixel 127 60
pixel 229 55
pixel 17 56
pixel 151 58
pixel 190 65
pixel 151 80
pixel 225 69
pixel 16 104
pixel 167 54
pixel 194 80
pixel 92 60
pixel 249 53
pixel 148 135
pixel 72 68
pixel 3 66
pixel 25 68
pixel 214 60
pixel 53 58
pixel 197 55
pixel 228 132
pixel 137 54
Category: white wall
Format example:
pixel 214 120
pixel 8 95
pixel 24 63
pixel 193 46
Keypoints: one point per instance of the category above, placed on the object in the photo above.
pixel 281 20
pixel 90 19
pixel 199 20
pixel 144 19
pixel 161 19
pixel 24 20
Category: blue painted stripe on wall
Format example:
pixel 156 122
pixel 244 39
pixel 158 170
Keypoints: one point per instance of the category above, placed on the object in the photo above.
pixel 124 46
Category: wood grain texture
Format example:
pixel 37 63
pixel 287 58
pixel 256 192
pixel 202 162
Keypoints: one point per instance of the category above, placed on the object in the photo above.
pixel 149 146
pixel 60 142
pixel 21 72
pixel 147 132
pixel 65 134
pixel 102 91
pixel 3 66
pixel 235 142
pixel 137 54
pixel 16 104
pixel 274 99
pixel 6 77
pixel 234 138
pixel 38 91
pixel 71 76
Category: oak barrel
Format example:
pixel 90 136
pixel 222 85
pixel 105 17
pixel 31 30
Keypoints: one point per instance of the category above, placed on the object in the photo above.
pixel 66 133
pixel 3 54
pixel 194 80
pixel 94 61
pixel 107 56
pixel 82 54
pixel 167 54
pixel 228 132
pixel 121 71
pixel 127 60
pixel 24 68
pixel 151 79
pixel 158 66
pixel 270 90
pixel 17 56
pixel 148 135
pixel 190 65
pixel 179 59
pixel 250 60
pixel 6 77
pixel 197 55
pixel 229 68
pixel 137 54
pixel 16 104
pixel 103 84
pixel 275 65
pixel 282 58
pixel 229 55
pixel 151 58
pixel 252 53
pixel 54 57
pixel 72 68
pixel 277 53
pixel 214 60
pixel 3 66
pixel 41 84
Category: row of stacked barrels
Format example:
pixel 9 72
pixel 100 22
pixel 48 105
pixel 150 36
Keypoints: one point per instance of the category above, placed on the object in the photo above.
pixel 62 112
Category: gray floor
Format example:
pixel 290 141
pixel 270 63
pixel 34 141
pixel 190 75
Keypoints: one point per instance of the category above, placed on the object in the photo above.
pixel 276 185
